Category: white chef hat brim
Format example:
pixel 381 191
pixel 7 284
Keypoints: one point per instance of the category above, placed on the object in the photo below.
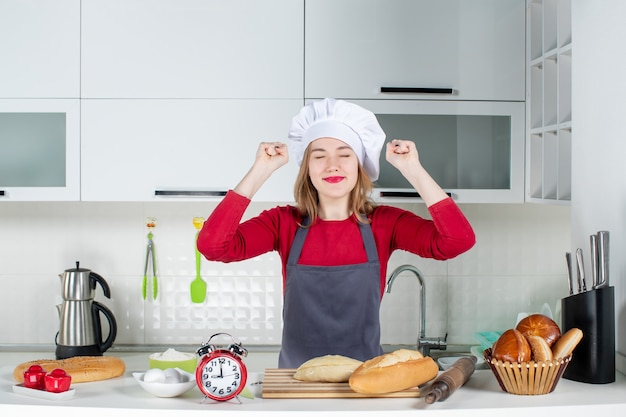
pixel 334 129
pixel 341 120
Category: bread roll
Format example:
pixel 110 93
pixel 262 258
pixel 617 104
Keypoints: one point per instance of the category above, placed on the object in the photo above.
pixel 511 346
pixel 540 325
pixel 539 348
pixel 329 368
pixel 80 368
pixel 393 372
pixel 566 344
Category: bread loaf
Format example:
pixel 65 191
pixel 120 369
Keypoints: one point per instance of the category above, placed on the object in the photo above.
pixel 329 368
pixel 393 372
pixel 511 346
pixel 539 348
pixel 81 368
pixel 540 325
pixel 566 344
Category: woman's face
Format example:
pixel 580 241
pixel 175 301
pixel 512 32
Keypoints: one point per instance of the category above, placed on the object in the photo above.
pixel 333 167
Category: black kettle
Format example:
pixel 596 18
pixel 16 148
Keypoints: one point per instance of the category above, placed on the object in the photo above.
pixel 80 329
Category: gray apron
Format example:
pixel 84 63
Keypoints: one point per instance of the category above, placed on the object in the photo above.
pixel 331 310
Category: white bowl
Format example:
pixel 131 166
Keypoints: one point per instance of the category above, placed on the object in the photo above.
pixel 167 390
pixel 447 361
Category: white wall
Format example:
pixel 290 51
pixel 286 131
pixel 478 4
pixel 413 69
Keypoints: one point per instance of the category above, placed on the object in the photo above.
pixel 599 139
pixel 517 265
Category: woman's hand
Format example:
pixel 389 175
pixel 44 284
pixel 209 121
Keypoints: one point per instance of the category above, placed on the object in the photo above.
pixel 269 157
pixel 272 155
pixel 403 155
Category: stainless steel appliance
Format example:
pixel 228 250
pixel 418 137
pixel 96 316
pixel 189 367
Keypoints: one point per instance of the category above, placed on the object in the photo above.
pixel 80 330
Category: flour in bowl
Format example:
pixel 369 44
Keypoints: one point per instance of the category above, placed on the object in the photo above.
pixel 172 355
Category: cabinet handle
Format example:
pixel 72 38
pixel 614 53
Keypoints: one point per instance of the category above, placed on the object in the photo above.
pixel 189 193
pixel 2 193
pixel 419 90
pixel 408 194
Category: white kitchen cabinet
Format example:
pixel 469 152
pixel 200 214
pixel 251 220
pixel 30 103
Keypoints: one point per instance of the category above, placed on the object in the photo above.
pixel 549 102
pixel 160 150
pixel 353 48
pixel 473 149
pixel 192 49
pixel 39 49
pixel 39 150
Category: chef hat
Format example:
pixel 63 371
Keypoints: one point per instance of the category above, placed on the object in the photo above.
pixel 341 120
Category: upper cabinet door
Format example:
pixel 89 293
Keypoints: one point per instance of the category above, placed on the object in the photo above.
pixel 474 48
pixel 39 49
pixel 40 150
pixel 192 49
pixel 159 150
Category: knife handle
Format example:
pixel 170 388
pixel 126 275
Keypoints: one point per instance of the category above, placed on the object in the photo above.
pixel 570 282
pixel 582 285
pixel 603 258
pixel 593 242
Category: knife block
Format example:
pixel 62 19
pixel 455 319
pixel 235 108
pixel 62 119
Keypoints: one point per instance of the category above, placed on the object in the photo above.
pixel 593 312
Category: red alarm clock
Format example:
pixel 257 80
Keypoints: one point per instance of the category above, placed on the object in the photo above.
pixel 221 374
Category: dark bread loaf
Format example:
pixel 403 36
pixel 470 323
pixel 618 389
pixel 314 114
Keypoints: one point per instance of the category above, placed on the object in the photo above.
pixel 511 346
pixel 540 325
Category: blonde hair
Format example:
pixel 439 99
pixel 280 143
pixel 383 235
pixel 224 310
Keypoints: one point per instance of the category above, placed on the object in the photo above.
pixel 307 199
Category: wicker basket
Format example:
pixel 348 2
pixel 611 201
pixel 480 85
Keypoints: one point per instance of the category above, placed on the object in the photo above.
pixel 527 378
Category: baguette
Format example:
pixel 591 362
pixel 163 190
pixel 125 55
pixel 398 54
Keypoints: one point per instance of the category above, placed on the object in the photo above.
pixel 329 368
pixel 80 368
pixel 565 345
pixel 393 372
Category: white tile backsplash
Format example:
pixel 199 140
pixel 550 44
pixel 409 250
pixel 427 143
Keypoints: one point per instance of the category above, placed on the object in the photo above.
pixel 517 265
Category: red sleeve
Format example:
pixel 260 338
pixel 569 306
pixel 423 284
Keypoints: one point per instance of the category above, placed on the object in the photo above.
pixel 225 238
pixel 446 236
pixel 454 235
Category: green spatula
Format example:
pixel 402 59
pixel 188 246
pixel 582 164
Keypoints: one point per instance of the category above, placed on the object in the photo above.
pixel 198 286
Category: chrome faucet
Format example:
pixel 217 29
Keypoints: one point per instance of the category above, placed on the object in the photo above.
pixel 424 344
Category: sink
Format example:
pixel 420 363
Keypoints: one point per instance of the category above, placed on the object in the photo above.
pixel 452 356
pixel 451 351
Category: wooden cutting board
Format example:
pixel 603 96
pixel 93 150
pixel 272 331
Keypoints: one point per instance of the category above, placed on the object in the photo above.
pixel 280 383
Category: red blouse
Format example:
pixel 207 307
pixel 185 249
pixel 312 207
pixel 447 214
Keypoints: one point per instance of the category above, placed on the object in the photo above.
pixel 225 238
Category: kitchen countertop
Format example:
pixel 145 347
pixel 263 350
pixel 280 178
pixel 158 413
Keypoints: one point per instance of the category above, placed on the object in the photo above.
pixel 481 396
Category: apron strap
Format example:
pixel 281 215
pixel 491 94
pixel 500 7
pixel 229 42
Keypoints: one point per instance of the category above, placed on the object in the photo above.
pixel 298 242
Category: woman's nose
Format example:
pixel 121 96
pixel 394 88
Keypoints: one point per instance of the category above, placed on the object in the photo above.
pixel 333 164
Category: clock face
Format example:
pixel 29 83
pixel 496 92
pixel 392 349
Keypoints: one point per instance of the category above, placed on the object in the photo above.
pixel 221 376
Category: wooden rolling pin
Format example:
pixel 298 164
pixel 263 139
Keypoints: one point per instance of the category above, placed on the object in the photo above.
pixel 453 378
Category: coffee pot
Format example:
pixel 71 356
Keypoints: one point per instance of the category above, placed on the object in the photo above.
pixel 80 329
